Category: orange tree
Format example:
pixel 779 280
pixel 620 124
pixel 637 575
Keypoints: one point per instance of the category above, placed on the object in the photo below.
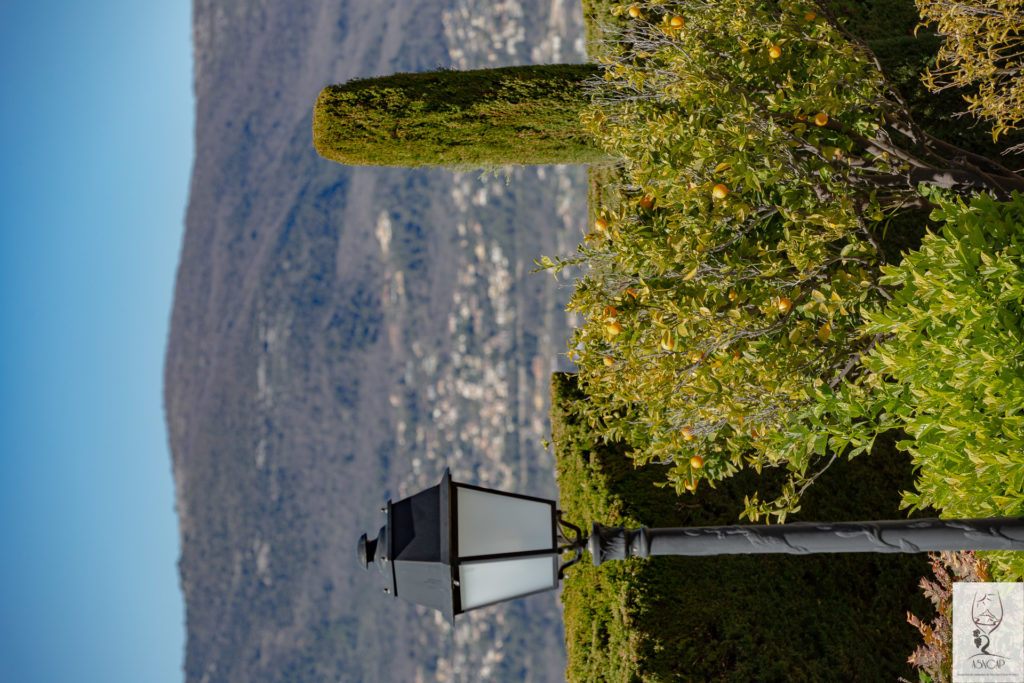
pixel 763 148
pixel 984 49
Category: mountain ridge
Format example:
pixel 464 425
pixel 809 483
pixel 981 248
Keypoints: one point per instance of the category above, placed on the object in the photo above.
pixel 340 334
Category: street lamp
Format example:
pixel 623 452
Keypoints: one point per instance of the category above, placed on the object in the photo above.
pixel 456 547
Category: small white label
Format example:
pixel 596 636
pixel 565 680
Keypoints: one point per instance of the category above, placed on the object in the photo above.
pixel 988 632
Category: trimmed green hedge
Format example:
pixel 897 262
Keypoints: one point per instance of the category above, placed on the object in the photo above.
pixel 736 618
pixel 461 119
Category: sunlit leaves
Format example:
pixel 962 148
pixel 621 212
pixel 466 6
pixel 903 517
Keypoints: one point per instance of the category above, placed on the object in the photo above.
pixel 949 365
pixel 982 51
pixel 735 209
pixel 957 349
pixel 740 260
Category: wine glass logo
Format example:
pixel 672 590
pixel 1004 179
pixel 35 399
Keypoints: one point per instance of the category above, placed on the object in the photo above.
pixel 987 614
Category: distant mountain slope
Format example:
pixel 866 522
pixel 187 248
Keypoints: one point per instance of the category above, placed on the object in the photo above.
pixel 339 335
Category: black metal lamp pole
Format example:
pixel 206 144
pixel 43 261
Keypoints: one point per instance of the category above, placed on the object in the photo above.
pixel 456 547
pixel 804 538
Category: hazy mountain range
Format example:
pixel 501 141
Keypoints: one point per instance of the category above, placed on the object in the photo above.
pixel 340 335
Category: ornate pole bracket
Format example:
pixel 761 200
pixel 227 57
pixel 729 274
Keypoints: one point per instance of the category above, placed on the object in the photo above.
pixel 566 544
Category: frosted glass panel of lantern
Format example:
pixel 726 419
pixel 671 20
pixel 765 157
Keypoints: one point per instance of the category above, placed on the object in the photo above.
pixel 482 583
pixel 493 523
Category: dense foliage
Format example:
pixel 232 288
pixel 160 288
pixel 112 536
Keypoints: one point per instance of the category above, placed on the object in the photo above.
pixel 721 335
pixel 461 119
pixel 764 153
pixel 948 367
pixel 984 50
pixel 740 618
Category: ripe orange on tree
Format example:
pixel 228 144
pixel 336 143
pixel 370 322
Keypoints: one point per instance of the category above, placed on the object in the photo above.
pixel 774 52
pixel 696 462
pixel 677 22
pixel 821 118
pixel 634 11
pixel 719 191
pixel 784 305
pixel 600 225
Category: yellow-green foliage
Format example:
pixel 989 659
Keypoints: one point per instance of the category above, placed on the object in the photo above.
pixel 949 367
pixel 952 366
pixel 984 50
pixel 729 618
pixel 697 308
pixel 758 144
pixel 460 119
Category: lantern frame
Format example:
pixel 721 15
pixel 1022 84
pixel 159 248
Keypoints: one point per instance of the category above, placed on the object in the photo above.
pixel 458 560
pixel 425 569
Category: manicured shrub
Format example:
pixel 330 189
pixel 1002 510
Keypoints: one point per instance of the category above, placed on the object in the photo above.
pixel 463 119
pixel 951 368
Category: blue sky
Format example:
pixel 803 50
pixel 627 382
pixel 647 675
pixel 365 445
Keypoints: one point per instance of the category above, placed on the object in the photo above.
pixel 96 120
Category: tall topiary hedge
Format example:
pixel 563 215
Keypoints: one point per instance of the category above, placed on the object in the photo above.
pixel 480 118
